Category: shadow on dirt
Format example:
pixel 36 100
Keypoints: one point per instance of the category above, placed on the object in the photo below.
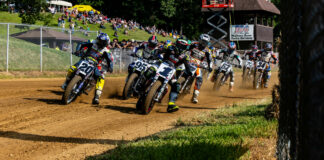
pixel 238 97
pixel 42 138
pixel 59 93
pixel 122 109
pixel 48 101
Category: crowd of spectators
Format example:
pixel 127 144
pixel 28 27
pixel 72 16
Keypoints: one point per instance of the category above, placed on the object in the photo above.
pixel 118 24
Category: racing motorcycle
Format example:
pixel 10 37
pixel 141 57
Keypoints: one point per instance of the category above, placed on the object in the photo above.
pixel 136 78
pixel 157 88
pixel 81 82
pixel 221 74
pixel 247 71
pixel 259 79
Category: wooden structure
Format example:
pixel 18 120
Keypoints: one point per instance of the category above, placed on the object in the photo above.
pixel 259 13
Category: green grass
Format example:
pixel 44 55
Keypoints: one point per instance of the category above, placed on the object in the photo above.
pixel 136 34
pixel 223 134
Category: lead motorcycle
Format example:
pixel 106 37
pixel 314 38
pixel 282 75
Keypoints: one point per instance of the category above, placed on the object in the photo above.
pixel 248 71
pixel 259 79
pixel 82 81
pixel 157 88
pixel 221 74
pixel 136 78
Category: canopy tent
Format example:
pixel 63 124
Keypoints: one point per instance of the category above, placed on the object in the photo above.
pixel 83 8
pixel 60 3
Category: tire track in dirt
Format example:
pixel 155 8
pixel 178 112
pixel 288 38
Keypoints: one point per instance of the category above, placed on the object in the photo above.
pixel 33 125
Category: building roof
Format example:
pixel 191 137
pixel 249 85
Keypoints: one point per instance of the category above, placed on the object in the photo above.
pixel 251 5
pixel 49 34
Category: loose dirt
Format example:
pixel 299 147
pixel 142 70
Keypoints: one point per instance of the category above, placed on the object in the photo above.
pixel 34 125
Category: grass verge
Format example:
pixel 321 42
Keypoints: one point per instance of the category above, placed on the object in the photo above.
pixel 235 132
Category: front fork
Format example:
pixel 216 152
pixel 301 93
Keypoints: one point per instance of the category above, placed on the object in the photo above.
pixel 162 92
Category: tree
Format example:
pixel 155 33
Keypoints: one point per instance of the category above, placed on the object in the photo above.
pixel 300 132
pixel 30 10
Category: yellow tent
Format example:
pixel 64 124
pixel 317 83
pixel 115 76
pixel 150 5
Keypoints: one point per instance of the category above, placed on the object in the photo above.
pixel 82 8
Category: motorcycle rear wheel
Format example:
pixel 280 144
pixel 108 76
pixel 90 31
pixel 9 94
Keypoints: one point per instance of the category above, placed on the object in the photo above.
pixel 149 99
pixel 68 95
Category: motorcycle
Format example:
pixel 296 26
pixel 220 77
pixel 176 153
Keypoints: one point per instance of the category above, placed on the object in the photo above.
pixel 81 82
pixel 157 89
pixel 247 71
pixel 136 78
pixel 221 74
pixel 258 74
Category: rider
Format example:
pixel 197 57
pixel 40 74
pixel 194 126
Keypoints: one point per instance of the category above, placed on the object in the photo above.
pixel 150 49
pixel 229 54
pixel 265 55
pixel 95 51
pixel 250 55
pixel 200 52
pixel 175 55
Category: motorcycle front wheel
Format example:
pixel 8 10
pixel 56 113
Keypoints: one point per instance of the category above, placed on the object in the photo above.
pixel 257 79
pixel 69 95
pixel 128 89
pixel 219 81
pixel 149 99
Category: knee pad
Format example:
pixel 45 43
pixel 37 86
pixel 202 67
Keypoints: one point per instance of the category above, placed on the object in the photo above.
pixel 100 83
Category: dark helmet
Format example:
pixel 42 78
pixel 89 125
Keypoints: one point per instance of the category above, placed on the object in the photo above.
pixel 152 41
pixel 268 47
pixel 254 47
pixel 181 44
pixel 102 40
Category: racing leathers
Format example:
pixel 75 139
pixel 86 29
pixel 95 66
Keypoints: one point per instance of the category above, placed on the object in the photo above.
pixel 229 55
pixel 172 56
pixel 197 55
pixel 266 56
pixel 91 52
pixel 250 55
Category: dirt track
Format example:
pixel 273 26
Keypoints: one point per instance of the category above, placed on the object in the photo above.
pixel 33 125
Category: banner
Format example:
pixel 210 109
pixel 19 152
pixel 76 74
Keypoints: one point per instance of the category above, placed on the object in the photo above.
pixel 242 32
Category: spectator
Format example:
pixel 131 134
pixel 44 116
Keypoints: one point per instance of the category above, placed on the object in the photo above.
pixel 126 32
pixel 116 34
pixel 114 43
pixel 102 25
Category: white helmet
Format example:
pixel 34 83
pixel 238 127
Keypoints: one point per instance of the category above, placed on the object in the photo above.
pixel 204 39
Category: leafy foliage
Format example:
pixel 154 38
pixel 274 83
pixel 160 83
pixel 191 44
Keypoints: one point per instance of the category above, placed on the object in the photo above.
pixel 30 10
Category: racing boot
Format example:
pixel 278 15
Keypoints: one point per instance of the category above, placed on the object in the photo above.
pixel 195 96
pixel 266 83
pixel 231 86
pixel 172 107
pixel 96 97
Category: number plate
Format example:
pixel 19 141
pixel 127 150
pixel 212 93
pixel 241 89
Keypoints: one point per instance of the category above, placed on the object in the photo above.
pixel 86 68
pixel 248 64
pixel 225 67
pixel 141 65
pixel 261 65
pixel 165 71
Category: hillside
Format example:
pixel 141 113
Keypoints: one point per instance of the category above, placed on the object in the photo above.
pixel 137 34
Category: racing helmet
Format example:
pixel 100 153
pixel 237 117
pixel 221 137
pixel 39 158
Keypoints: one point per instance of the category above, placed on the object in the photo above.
pixel 152 41
pixel 254 48
pixel 181 44
pixel 232 45
pixel 102 40
pixel 204 40
pixel 268 47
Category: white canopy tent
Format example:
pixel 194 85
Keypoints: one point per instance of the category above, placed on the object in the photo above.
pixel 59 5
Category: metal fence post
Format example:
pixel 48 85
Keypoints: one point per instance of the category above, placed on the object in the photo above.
pixel 71 48
pixel 41 49
pixel 120 60
pixel 7 60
